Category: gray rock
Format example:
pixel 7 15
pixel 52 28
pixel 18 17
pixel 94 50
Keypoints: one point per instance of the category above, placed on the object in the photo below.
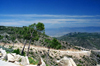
pixel 66 62
pixel 41 62
pixel 24 61
pixel 2 53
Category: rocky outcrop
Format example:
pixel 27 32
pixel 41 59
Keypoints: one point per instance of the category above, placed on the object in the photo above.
pixel 24 61
pixel 66 62
pixel 2 53
pixel 14 58
pixel 41 62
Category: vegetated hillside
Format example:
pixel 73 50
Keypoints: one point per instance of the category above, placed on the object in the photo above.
pixel 23 35
pixel 86 40
pixel 20 35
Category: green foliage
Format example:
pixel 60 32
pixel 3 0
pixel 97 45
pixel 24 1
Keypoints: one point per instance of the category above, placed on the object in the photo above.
pixel 1 37
pixel 77 48
pixel 32 61
pixel 86 40
pixel 54 43
pixel 40 26
pixel 13 39
pixel 47 65
pixel 47 40
pixel 20 60
pixel 17 51
pixel 79 65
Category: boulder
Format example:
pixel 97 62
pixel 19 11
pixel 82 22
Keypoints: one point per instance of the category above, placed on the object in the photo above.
pixel 3 53
pixel 25 61
pixel 41 62
pixel 66 62
pixel 17 57
pixel 72 62
pixel 10 58
pixel 18 63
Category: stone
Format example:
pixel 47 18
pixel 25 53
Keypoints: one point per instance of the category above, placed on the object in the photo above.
pixel 18 63
pixel 72 62
pixel 31 65
pixel 66 62
pixel 24 61
pixel 17 57
pixel 10 58
pixel 3 53
pixel 41 62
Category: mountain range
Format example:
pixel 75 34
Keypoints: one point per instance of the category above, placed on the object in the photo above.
pixel 57 32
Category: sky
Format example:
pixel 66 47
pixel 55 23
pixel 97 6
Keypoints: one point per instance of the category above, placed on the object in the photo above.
pixel 53 13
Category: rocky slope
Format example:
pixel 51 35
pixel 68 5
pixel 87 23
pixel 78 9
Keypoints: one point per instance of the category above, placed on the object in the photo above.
pixel 80 57
pixel 46 47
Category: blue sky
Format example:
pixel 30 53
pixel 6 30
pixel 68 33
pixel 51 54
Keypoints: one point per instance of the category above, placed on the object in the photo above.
pixel 53 13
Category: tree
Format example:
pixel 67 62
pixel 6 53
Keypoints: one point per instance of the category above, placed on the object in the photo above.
pixel 15 30
pixel 30 33
pixel 26 36
pixel 34 28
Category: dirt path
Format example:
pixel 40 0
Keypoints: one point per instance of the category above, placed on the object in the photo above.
pixel 71 52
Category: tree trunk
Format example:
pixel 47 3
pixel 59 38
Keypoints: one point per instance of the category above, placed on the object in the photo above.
pixel 13 44
pixel 23 47
pixel 29 43
pixel 28 47
pixel 48 55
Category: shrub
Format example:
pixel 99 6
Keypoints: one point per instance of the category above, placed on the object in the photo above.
pixel 17 51
pixel 79 65
pixel 55 44
pixel 32 61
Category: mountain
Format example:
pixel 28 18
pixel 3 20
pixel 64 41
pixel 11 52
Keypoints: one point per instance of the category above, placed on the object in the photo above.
pixel 83 39
pixel 57 32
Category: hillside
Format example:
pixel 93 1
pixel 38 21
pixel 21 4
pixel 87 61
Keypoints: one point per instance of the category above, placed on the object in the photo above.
pixel 13 39
pixel 18 35
pixel 86 40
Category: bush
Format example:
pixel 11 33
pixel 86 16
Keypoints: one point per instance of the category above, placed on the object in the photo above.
pixel 32 61
pixel 79 65
pixel 17 51
pixel 1 37
pixel 55 44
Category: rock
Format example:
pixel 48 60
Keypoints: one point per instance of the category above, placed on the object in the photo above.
pixel 66 62
pixel 31 65
pixel 41 62
pixel 3 53
pixel 25 61
pixel 10 58
pixel 72 62
pixel 18 63
pixel 17 57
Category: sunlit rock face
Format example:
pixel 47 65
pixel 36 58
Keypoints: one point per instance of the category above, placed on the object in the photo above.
pixel 66 62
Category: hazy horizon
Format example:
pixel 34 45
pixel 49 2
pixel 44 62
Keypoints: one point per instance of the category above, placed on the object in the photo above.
pixel 54 14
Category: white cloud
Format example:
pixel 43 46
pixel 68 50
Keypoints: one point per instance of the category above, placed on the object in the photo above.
pixel 27 19
pixel 47 15
pixel 62 22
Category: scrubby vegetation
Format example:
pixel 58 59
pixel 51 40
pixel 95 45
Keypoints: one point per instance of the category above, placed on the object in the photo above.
pixel 86 40
pixel 34 35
